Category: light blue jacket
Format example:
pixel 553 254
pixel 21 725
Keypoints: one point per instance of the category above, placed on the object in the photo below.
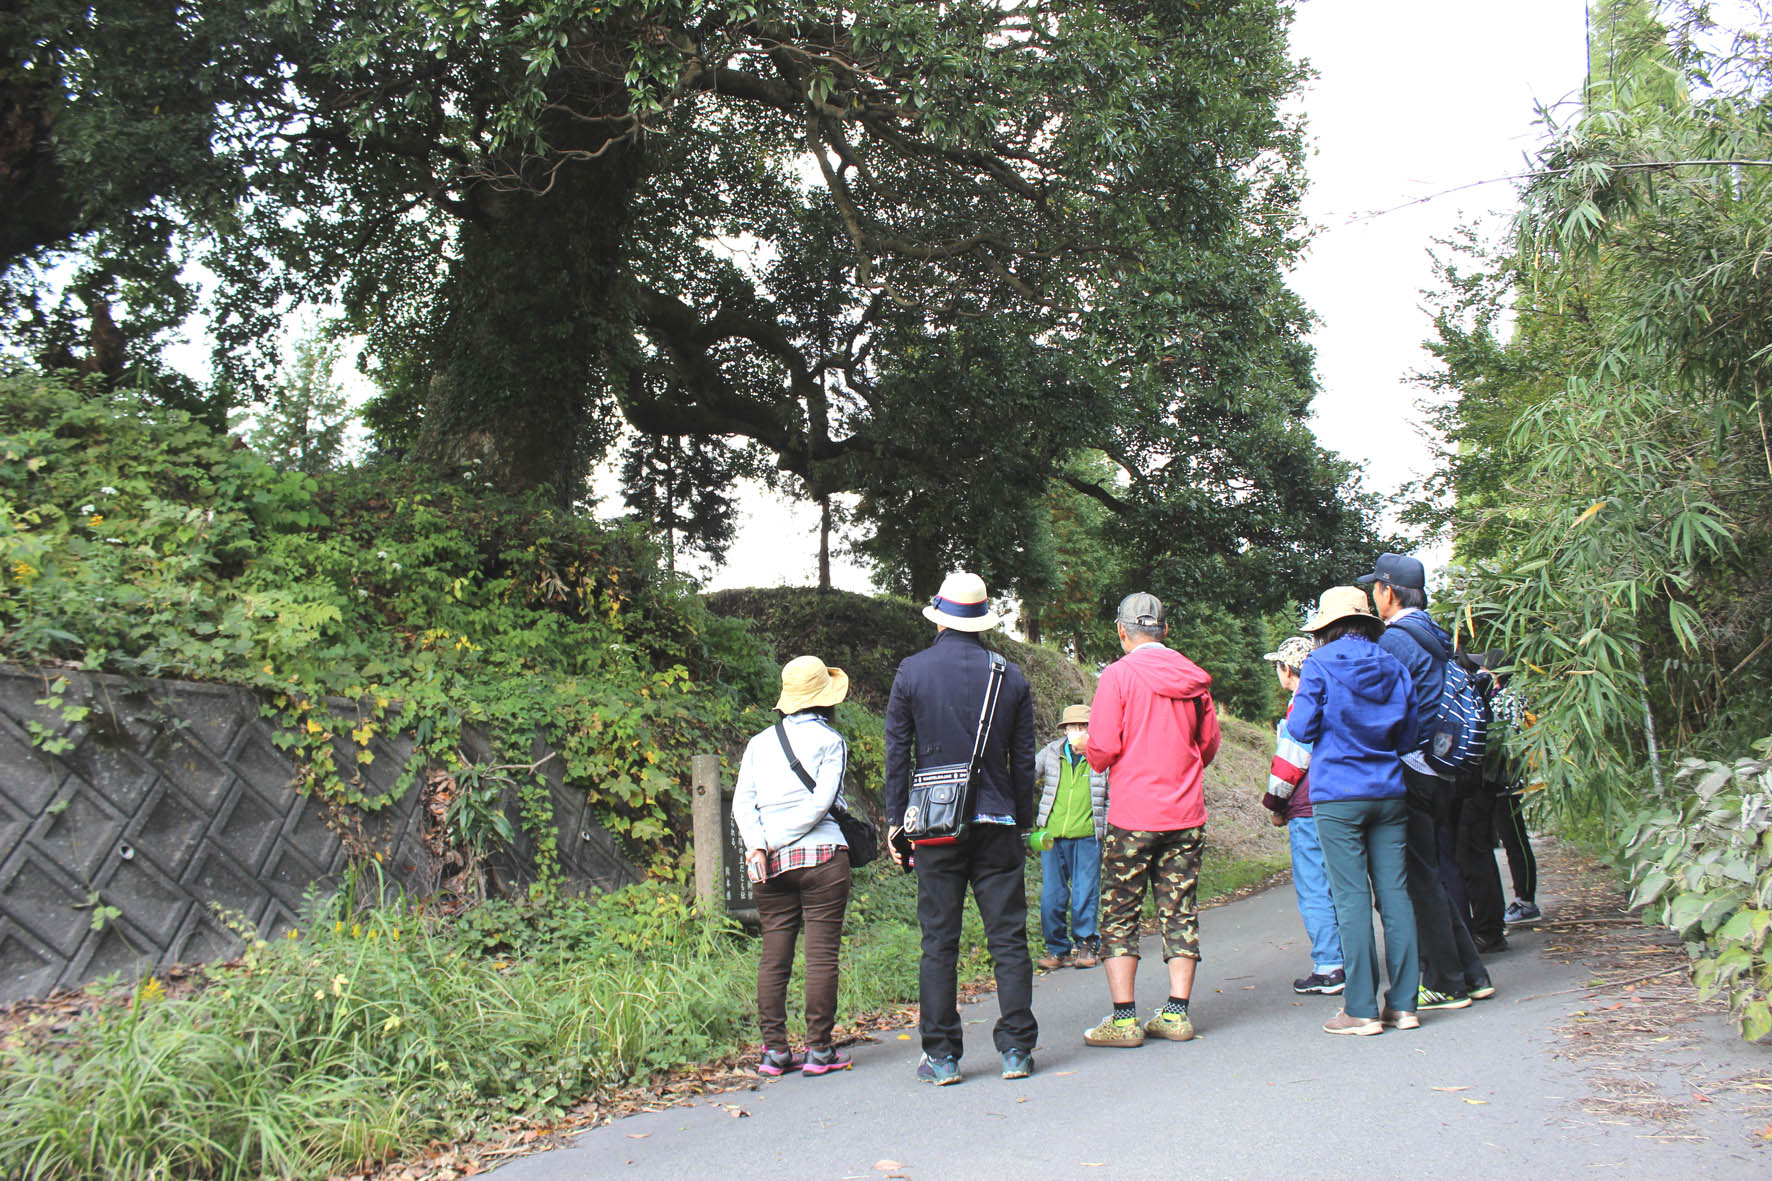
pixel 771 806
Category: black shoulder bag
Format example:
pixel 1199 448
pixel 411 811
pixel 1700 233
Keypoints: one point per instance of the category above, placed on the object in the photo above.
pixel 940 804
pixel 858 834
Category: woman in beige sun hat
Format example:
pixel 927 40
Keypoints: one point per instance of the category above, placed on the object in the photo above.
pixel 797 859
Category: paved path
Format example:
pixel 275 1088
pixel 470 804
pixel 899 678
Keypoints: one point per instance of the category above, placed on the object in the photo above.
pixel 1260 1093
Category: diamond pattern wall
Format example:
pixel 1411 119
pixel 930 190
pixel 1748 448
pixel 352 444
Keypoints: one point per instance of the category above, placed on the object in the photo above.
pixel 173 800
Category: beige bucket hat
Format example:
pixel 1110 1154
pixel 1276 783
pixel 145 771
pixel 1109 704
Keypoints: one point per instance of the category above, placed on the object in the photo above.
pixel 1074 715
pixel 1339 602
pixel 807 681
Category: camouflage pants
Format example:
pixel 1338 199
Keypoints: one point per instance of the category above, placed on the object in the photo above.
pixel 1168 863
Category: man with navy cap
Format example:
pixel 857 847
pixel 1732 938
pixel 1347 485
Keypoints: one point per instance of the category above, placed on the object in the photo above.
pixel 1452 972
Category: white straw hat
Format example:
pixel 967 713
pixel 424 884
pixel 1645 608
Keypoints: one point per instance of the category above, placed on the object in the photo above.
pixel 962 604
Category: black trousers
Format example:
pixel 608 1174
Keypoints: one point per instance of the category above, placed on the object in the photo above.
pixel 1449 959
pixel 1522 863
pixel 1474 845
pixel 989 858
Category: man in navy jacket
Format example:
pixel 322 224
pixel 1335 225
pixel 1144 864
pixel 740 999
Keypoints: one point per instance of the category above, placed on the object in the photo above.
pixel 931 720
pixel 1452 972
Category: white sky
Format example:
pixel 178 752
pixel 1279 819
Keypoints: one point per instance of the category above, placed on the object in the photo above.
pixel 1413 97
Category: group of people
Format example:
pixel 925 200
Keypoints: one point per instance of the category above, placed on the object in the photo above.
pixel 1116 806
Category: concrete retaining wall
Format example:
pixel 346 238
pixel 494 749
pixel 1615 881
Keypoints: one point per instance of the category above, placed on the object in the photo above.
pixel 171 797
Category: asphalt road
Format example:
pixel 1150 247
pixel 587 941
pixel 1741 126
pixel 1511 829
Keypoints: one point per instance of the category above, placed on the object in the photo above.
pixel 1262 1092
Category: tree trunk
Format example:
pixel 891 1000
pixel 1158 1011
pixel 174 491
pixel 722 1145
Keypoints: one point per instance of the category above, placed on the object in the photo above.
pixel 526 352
pixel 824 542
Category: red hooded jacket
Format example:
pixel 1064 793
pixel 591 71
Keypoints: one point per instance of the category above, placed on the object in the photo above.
pixel 1152 723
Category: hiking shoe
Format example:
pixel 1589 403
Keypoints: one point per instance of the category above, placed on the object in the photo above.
pixel 1176 1027
pixel 1399 1019
pixel 1427 998
pixel 776 1063
pixel 1052 960
pixel 1089 954
pixel 1482 992
pixel 1356 1026
pixel 825 1061
pixel 1492 946
pixel 1017 1063
pixel 1520 912
pixel 1322 983
pixel 1124 1032
pixel 940 1071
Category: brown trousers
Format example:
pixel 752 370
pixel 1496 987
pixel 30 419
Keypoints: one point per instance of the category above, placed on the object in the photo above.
pixel 816 899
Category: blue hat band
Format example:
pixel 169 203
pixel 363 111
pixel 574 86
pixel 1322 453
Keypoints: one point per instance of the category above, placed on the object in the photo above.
pixel 962 610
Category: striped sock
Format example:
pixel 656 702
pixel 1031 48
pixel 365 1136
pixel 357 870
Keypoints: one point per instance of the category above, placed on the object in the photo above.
pixel 1176 1006
pixel 1128 1012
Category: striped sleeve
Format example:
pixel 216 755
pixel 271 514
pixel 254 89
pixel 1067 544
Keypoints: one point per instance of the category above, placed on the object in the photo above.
pixel 1291 760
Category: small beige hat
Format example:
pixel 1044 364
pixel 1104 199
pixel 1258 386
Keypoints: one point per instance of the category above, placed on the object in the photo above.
pixel 808 681
pixel 962 604
pixel 1074 715
pixel 1339 602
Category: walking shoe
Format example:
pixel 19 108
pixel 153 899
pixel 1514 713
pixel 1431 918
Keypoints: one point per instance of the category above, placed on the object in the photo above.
pixel 1357 1026
pixel 1521 911
pixel 1052 960
pixel 1429 999
pixel 1482 992
pixel 940 1071
pixel 1089 954
pixel 1125 1032
pixel 1399 1018
pixel 825 1061
pixel 776 1063
pixel 1322 983
pixel 1017 1063
pixel 1491 946
pixel 1177 1027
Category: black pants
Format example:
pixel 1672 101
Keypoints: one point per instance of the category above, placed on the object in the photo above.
pixel 1474 845
pixel 1449 959
pixel 989 858
pixel 1521 863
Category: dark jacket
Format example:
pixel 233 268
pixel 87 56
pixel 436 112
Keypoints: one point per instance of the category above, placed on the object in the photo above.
pixel 1354 706
pixel 932 718
pixel 1403 638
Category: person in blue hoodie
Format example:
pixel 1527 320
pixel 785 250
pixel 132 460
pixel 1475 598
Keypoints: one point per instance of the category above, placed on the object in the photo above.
pixel 1355 707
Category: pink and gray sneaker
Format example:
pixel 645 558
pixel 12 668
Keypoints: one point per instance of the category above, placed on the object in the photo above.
pixel 825 1061
pixel 776 1063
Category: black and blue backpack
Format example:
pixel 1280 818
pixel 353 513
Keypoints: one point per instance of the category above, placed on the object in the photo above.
pixel 1458 733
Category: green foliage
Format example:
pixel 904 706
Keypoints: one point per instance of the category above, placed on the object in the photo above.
pixel 301 425
pixel 365 601
pixel 1700 858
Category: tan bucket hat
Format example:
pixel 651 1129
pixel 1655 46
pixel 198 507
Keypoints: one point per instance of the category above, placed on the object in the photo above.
pixel 1074 715
pixel 962 604
pixel 1339 602
pixel 808 681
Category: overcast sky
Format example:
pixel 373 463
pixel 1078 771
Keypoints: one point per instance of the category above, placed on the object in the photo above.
pixel 1412 98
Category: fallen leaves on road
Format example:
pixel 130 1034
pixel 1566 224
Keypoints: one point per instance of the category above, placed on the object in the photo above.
pixel 1463 1088
pixel 887 1166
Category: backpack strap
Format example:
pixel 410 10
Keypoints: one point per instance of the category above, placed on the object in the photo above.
pixel 1427 637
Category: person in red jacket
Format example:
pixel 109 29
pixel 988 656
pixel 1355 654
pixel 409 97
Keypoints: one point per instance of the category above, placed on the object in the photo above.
pixel 1152 723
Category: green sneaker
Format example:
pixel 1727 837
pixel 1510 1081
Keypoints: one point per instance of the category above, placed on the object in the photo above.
pixel 1124 1032
pixel 1429 999
pixel 1177 1027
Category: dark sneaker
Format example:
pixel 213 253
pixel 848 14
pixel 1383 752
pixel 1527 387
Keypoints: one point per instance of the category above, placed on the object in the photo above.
pixel 825 1061
pixel 1492 946
pixel 779 1062
pixel 1399 1018
pixel 1017 1063
pixel 1124 1032
pixel 1176 1027
pixel 1482 992
pixel 1052 960
pixel 1353 1026
pixel 1322 983
pixel 940 1071
pixel 1429 999
pixel 1521 911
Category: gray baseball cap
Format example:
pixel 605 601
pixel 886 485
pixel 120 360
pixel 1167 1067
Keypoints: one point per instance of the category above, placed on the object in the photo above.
pixel 1141 609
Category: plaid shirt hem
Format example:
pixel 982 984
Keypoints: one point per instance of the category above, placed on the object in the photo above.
pixel 800 857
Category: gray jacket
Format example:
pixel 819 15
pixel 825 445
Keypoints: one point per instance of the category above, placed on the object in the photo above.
pixel 1047 765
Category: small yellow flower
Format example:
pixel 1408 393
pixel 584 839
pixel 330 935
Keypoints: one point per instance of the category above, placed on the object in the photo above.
pixel 356 930
pixel 153 990
pixel 95 520
pixel 338 926
pixel 338 985
pixel 319 994
pixel 396 934
pixel 292 933
pixel 391 1024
